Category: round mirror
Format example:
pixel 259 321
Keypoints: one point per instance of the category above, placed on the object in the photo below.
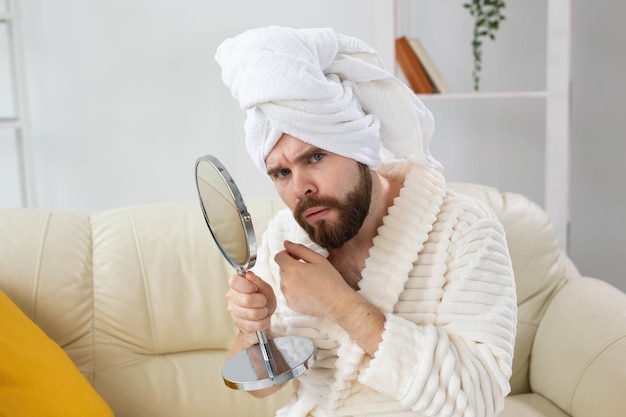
pixel 269 362
pixel 225 213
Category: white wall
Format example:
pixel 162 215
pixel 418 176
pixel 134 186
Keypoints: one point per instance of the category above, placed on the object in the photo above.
pixel 125 94
pixel 598 201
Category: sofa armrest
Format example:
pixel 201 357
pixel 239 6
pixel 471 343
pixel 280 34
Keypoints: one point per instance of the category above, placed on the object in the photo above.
pixel 578 357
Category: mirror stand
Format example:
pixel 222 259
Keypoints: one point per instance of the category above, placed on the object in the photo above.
pixel 287 357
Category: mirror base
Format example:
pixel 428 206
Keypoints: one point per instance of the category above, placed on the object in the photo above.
pixel 248 371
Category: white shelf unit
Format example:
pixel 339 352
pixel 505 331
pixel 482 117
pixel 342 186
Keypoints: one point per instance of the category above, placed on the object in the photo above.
pixel 557 96
pixel 18 122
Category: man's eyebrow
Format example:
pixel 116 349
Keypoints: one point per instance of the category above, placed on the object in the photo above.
pixel 304 156
pixel 273 171
pixel 307 154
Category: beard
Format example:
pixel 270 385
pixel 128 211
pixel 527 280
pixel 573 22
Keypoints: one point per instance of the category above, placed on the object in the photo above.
pixel 352 213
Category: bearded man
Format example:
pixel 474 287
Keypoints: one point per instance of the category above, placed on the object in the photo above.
pixel 405 287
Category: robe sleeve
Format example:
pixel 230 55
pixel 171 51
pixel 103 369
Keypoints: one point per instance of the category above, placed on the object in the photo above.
pixel 460 364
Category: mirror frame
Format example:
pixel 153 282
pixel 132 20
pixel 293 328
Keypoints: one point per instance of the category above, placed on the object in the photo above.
pixel 244 215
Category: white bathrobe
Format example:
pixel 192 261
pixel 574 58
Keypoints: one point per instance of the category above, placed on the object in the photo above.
pixel 440 271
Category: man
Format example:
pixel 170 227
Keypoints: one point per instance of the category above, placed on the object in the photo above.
pixel 405 287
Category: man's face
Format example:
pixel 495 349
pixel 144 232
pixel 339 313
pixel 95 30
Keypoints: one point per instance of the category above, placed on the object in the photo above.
pixel 328 194
pixel 351 213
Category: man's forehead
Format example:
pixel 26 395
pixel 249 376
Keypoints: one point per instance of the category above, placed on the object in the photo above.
pixel 288 148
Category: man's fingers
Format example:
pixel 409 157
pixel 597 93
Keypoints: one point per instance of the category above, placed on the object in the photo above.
pixel 300 252
pixel 246 300
pixel 242 284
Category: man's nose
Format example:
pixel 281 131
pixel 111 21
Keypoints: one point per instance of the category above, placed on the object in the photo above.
pixel 304 186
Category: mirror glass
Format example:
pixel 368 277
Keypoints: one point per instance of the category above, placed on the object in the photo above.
pixel 225 213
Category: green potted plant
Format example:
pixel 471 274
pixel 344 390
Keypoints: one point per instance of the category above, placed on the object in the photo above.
pixel 487 17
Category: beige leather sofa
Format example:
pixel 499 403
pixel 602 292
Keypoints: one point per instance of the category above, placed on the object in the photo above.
pixel 135 297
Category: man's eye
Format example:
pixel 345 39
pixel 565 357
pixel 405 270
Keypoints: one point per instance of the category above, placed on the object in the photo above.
pixel 282 173
pixel 317 157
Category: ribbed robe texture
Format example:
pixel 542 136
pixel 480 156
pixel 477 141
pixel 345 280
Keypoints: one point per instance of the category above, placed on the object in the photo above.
pixel 440 272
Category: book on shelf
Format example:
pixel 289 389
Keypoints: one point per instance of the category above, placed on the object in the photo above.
pixel 429 66
pixel 412 67
pixel 418 67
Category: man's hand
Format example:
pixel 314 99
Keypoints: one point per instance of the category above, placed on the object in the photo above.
pixel 311 285
pixel 251 303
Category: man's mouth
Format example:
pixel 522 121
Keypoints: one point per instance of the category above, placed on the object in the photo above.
pixel 315 213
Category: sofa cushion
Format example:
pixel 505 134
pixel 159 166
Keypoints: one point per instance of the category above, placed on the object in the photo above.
pixel 530 405
pixel 45 269
pixel 162 328
pixel 578 355
pixel 37 378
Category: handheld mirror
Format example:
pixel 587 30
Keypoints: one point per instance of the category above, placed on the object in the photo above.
pixel 271 361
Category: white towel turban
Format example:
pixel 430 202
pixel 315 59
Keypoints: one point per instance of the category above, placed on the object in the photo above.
pixel 326 89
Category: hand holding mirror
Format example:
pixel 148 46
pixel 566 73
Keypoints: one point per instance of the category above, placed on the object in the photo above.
pixel 271 361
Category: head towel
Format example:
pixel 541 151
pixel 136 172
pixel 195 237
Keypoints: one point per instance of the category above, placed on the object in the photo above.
pixel 326 89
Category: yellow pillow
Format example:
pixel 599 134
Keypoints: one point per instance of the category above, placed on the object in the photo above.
pixel 37 378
